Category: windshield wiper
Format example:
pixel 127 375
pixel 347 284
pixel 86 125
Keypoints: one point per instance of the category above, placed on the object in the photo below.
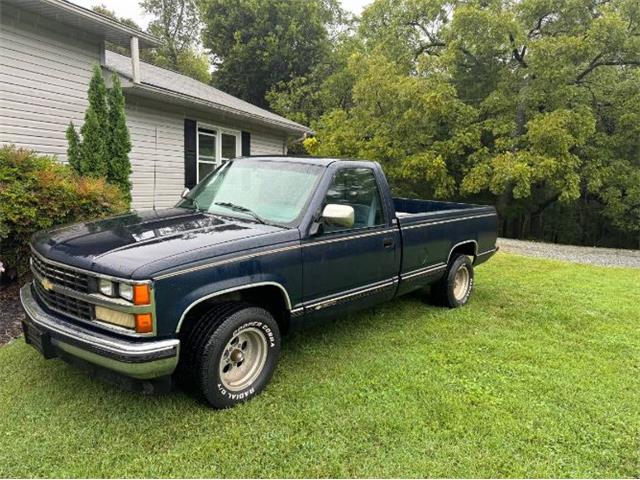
pixel 240 208
pixel 194 202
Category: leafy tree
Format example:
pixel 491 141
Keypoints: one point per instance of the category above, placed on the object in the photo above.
pixel 177 25
pixel 118 141
pixel 256 44
pixel 327 86
pixel 189 62
pixel 533 105
pixel 394 119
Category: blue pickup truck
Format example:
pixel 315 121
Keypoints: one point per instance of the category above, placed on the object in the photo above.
pixel 202 293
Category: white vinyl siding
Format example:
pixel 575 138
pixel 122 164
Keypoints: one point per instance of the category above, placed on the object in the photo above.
pixel 43 82
pixel 157 156
pixel 267 144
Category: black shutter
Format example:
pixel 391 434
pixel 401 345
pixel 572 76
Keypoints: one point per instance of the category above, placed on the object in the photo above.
pixel 246 144
pixel 190 153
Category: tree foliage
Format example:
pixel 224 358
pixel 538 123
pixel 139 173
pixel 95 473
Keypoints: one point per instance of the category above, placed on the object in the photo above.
pixel 73 148
pixel 532 105
pixel 256 44
pixel 102 149
pixel 177 24
pixel 37 192
pixel 94 131
pixel 118 141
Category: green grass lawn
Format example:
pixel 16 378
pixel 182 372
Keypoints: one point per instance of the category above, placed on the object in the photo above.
pixel 538 376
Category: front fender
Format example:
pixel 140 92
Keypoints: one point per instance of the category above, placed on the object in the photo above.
pixel 177 294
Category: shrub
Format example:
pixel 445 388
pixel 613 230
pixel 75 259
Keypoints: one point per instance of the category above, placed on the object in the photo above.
pixel 37 193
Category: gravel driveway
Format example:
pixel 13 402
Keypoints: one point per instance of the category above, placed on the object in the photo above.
pixel 609 257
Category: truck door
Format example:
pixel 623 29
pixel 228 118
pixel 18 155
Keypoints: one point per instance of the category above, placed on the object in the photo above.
pixel 351 267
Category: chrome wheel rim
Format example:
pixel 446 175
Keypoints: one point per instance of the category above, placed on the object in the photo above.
pixel 243 359
pixel 461 283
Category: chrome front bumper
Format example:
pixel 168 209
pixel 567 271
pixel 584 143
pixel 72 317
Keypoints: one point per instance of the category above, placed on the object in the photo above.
pixel 50 334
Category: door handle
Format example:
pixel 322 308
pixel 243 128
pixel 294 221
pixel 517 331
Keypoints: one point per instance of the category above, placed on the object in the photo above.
pixel 387 242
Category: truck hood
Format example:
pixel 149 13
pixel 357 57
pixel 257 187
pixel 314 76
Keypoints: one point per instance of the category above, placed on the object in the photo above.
pixel 121 246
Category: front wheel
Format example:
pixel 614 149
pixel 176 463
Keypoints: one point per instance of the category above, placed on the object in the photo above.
pixel 231 353
pixel 454 288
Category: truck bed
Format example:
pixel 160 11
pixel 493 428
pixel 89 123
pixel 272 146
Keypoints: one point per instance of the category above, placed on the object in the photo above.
pixel 431 230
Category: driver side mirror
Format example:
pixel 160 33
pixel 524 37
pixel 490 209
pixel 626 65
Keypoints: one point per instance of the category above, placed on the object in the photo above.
pixel 185 193
pixel 341 215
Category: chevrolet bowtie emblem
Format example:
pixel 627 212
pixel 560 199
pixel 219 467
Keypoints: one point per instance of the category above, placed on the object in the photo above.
pixel 47 284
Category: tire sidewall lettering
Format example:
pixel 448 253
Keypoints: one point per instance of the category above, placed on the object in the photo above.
pixel 235 396
pixel 268 333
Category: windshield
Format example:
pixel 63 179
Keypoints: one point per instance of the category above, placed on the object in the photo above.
pixel 266 191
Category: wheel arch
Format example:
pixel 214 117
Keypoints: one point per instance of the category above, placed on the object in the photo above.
pixel 259 293
pixel 466 247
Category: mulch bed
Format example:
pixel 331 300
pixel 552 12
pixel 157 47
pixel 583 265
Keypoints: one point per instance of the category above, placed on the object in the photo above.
pixel 10 313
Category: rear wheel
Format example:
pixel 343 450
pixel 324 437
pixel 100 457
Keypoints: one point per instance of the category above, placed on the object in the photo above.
pixel 454 288
pixel 230 353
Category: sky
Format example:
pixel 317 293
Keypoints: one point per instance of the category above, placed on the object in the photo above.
pixel 130 8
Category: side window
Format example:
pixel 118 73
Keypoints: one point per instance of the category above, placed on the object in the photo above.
pixel 356 187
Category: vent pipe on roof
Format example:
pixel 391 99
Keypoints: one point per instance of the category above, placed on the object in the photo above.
pixel 135 60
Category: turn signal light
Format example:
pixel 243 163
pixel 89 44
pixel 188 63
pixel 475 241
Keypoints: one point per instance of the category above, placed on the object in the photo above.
pixel 141 294
pixel 144 323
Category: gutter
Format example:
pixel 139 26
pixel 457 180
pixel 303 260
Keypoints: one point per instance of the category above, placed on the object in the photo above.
pixel 65 5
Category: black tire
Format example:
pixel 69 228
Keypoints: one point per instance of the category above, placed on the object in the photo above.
pixel 205 342
pixel 443 291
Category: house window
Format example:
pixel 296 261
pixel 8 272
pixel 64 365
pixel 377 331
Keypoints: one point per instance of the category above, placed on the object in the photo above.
pixel 215 146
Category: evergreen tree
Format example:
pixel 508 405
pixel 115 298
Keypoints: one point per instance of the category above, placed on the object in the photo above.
pixel 118 141
pixel 95 131
pixel 103 146
pixel 73 150
pixel 93 162
pixel 97 95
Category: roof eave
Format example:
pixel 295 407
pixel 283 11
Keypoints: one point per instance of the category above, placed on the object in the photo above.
pixel 179 98
pixel 96 23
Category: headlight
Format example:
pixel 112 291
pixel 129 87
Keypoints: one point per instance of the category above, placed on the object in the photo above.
pixel 106 287
pixel 126 291
pixel 138 294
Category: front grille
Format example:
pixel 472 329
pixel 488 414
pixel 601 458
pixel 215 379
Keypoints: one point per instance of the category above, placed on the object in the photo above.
pixel 64 304
pixel 64 277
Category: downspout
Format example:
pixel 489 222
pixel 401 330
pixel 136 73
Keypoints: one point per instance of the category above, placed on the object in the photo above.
pixel 155 175
pixel 135 60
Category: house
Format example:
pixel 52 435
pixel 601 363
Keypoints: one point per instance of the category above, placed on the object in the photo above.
pixel 180 128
